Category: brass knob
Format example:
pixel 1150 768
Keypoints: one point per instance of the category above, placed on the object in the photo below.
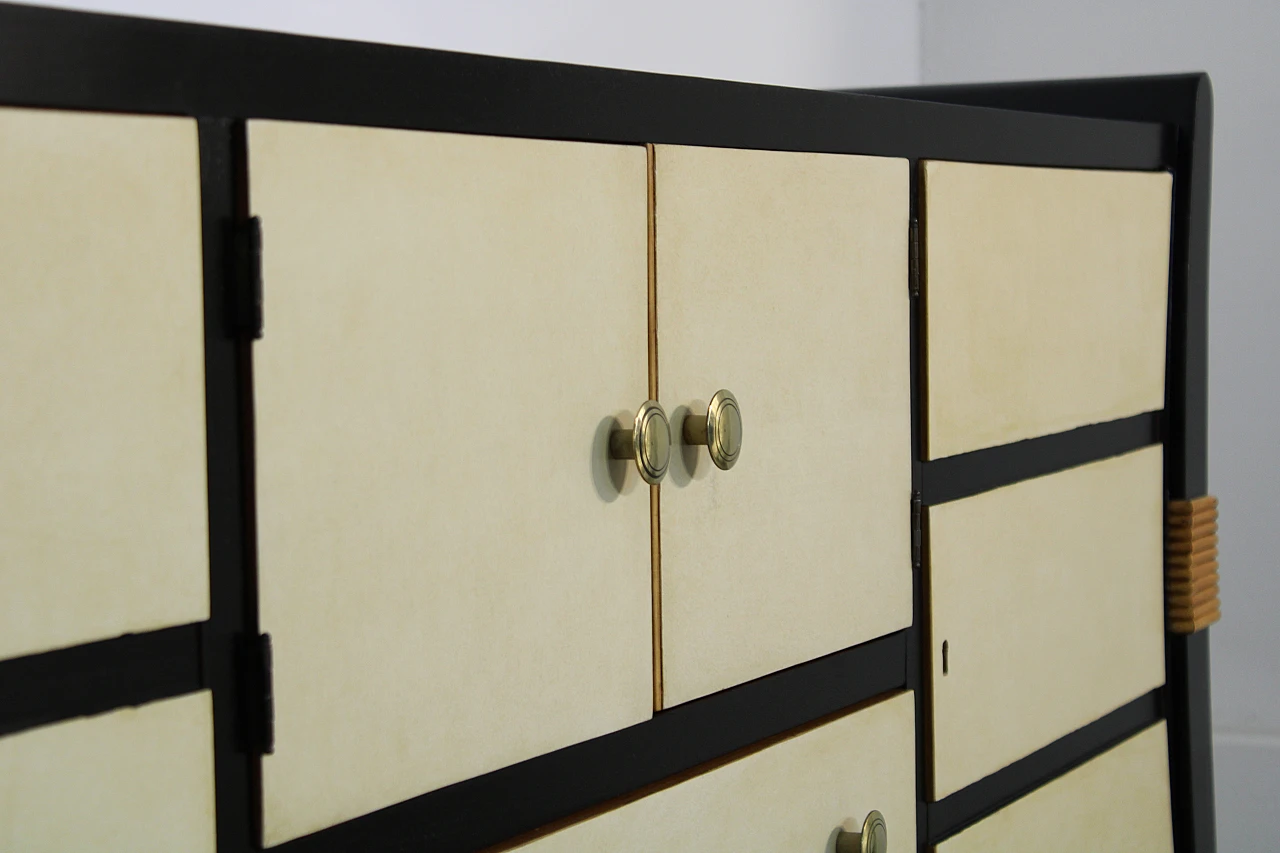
pixel 874 837
pixel 648 442
pixel 720 430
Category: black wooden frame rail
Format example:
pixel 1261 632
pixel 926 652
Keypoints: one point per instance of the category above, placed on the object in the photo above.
pixel 967 474
pixel 79 60
pixel 515 800
pixel 222 77
pixel 96 677
pixel 971 804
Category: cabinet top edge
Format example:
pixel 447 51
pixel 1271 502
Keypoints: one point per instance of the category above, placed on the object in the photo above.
pixel 65 59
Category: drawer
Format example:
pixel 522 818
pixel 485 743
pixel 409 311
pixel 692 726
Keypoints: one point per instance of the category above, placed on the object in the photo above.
pixel 102 431
pixel 794 795
pixel 782 277
pixel 1117 802
pixel 454 576
pixel 137 780
pixel 1046 611
pixel 1045 295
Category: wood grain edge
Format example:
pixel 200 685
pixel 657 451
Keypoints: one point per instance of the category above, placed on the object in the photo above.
pixel 655 515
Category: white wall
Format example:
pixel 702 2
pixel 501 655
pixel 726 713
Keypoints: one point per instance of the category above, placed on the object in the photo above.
pixel 811 43
pixel 1236 42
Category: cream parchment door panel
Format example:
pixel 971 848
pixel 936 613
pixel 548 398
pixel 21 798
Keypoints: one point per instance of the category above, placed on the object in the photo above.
pixel 137 780
pixel 1045 295
pixel 1117 802
pixel 104 507
pixel 1049 596
pixel 782 277
pixel 454 577
pixel 793 796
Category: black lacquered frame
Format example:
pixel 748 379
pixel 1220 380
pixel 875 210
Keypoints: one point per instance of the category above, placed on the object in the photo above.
pixel 222 77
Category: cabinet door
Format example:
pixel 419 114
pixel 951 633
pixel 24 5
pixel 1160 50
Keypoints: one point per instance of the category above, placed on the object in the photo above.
pixel 795 795
pixel 137 780
pixel 1046 611
pixel 1045 296
pixel 454 576
pixel 102 429
pixel 1115 803
pixel 782 277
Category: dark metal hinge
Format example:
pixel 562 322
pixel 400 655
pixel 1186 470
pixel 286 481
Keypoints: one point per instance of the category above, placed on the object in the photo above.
pixel 913 249
pixel 258 714
pixel 244 285
pixel 916 536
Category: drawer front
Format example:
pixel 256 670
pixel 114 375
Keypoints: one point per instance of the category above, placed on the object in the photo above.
pixel 102 431
pixel 792 796
pixel 1045 296
pixel 1115 803
pixel 1048 596
pixel 454 575
pixel 137 780
pixel 782 277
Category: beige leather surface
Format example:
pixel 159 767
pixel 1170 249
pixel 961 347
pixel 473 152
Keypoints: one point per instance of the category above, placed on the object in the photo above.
pixel 1115 803
pixel 792 796
pixel 103 510
pixel 1045 294
pixel 1050 596
pixel 783 278
pixel 137 780
pixel 455 577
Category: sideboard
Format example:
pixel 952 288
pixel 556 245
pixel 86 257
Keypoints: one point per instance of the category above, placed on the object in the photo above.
pixel 406 450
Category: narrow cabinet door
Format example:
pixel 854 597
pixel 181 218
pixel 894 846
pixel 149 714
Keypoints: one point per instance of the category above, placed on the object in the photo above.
pixel 104 509
pixel 796 795
pixel 1046 611
pixel 454 574
pixel 781 278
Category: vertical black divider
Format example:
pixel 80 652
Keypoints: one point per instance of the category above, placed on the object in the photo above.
pixel 919 594
pixel 229 414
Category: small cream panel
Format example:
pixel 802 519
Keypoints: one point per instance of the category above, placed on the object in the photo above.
pixel 103 511
pixel 137 780
pixel 1045 293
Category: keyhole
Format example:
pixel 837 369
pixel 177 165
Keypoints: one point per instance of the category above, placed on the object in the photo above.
pixel 944 657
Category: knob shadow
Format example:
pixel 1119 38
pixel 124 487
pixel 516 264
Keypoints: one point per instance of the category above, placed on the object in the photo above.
pixel 689 462
pixel 609 476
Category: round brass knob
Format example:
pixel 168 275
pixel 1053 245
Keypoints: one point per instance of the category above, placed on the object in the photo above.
pixel 720 430
pixel 648 442
pixel 874 837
